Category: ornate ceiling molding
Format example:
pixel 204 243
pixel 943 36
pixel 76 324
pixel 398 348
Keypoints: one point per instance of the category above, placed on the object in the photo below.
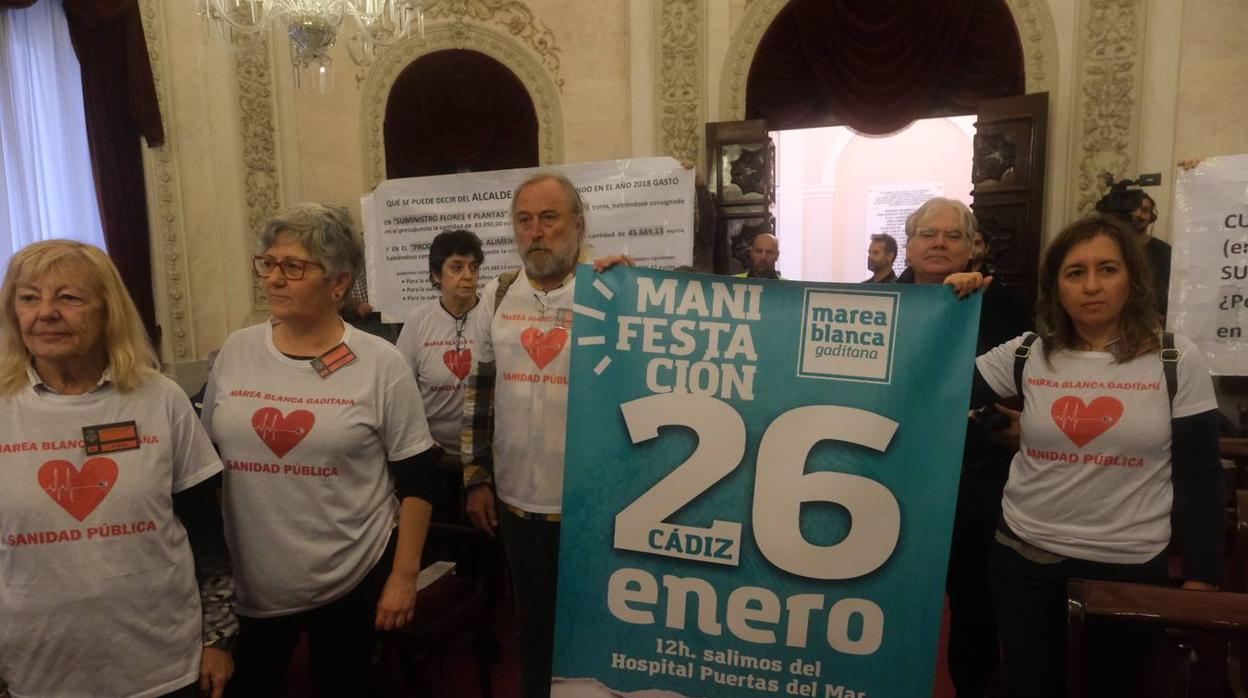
pixel 1110 84
pixel 261 186
pixel 1032 17
pixel 166 207
pixel 512 15
pixel 680 60
pixel 540 83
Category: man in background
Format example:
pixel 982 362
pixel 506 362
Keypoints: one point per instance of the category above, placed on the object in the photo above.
pixel 881 254
pixel 1157 251
pixel 1139 211
pixel 764 253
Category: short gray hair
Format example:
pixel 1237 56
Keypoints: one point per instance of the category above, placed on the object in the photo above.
pixel 937 202
pixel 569 190
pixel 324 231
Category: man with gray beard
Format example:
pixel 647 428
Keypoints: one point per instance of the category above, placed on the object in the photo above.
pixel 516 407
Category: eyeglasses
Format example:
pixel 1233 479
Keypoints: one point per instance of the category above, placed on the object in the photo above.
pixel 292 268
pixel 461 342
pixel 949 234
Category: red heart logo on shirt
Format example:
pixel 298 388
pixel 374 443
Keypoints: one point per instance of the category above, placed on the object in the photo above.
pixel 78 492
pixel 458 361
pixel 1083 422
pixel 543 347
pixel 281 433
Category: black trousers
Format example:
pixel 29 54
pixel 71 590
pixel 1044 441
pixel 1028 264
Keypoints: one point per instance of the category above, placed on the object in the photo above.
pixel 340 637
pixel 1031 608
pixel 533 553
pixel 974 652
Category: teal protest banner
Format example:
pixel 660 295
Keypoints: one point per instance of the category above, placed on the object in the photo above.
pixel 759 486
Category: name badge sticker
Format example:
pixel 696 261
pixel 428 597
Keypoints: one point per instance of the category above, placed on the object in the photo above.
pixel 329 362
pixel 111 438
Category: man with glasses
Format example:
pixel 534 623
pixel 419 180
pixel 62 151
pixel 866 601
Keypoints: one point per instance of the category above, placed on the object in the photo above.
pixel 938 243
pixel 438 341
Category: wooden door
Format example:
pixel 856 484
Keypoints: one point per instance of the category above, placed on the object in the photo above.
pixel 741 177
pixel 1008 185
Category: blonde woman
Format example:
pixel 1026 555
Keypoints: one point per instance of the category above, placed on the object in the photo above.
pixel 114 575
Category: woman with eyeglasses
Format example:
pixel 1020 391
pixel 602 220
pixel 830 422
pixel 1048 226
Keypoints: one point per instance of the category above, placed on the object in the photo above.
pixel 439 341
pixel 438 337
pixel 325 446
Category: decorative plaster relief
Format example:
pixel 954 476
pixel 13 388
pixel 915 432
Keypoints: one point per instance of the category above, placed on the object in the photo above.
pixel 1032 17
pixel 541 84
pixel 513 15
pixel 741 48
pixel 165 208
pixel 1037 36
pixel 679 93
pixel 261 188
pixel 1110 83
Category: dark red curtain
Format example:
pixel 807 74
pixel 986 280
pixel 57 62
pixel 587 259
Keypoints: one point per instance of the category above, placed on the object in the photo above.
pixel 119 97
pixel 458 111
pixel 877 65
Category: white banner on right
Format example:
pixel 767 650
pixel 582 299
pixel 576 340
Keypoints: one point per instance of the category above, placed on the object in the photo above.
pixel 1209 271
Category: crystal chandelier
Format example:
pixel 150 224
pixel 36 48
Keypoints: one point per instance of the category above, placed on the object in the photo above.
pixel 312 26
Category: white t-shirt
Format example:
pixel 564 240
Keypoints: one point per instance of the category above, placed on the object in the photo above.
pixel 529 340
pixel 441 362
pixel 97 582
pixel 1091 479
pixel 309 502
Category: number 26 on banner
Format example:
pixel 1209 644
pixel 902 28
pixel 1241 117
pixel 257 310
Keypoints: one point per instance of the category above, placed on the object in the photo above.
pixel 781 486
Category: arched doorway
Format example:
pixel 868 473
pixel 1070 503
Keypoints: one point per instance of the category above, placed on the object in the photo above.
pixel 878 67
pixel 458 110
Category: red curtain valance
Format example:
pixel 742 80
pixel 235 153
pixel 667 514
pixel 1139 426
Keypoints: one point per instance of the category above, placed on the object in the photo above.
pixel 877 65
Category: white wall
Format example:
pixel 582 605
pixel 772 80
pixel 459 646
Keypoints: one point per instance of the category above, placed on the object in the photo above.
pixel 824 179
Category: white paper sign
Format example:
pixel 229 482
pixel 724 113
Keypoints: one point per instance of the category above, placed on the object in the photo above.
pixel 641 207
pixel 888 207
pixel 1209 269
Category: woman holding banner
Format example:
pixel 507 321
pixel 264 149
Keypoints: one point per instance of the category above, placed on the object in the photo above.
pixel 325 444
pixel 1119 422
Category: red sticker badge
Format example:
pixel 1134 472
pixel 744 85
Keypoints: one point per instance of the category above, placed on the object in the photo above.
pixel 329 362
